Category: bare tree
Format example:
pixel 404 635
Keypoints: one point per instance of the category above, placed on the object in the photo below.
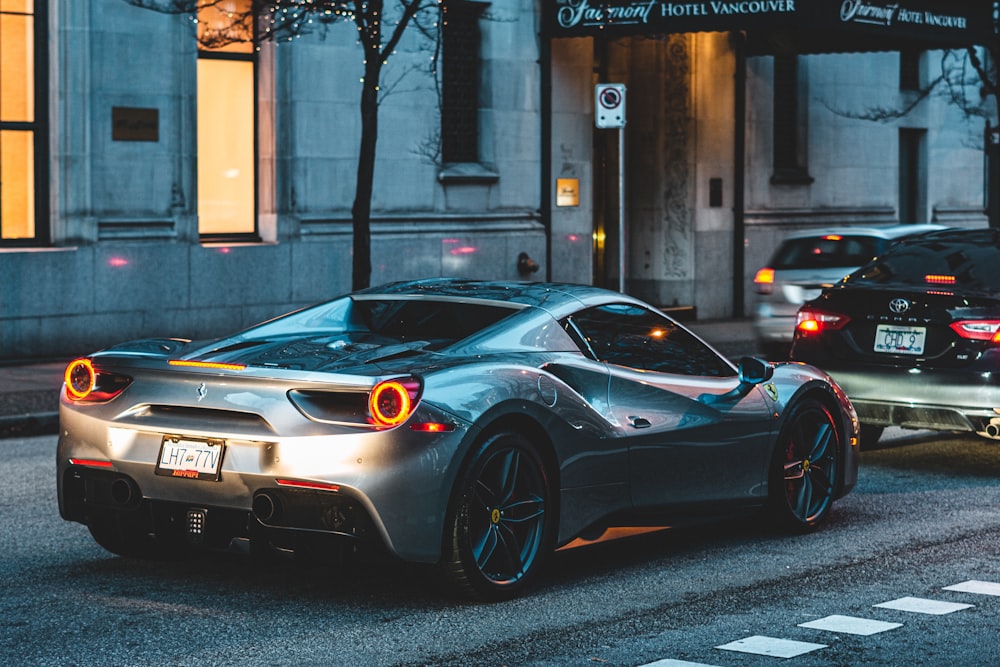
pixel 965 80
pixel 282 20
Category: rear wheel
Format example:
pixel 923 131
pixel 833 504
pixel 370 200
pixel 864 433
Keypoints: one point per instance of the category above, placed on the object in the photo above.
pixel 805 469
pixel 502 520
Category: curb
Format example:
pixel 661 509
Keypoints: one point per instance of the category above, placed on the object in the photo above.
pixel 22 426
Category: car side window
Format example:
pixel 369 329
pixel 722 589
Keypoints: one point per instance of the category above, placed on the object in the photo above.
pixel 634 337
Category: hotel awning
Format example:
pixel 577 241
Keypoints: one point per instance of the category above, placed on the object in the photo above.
pixel 786 26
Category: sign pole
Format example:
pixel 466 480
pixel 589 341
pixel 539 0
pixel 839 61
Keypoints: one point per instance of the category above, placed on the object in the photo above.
pixel 621 209
pixel 609 112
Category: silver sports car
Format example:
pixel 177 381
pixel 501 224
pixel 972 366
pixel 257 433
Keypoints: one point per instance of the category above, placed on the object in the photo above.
pixel 476 425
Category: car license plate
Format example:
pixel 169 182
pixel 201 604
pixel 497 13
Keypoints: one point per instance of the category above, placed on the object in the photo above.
pixel 900 340
pixel 194 459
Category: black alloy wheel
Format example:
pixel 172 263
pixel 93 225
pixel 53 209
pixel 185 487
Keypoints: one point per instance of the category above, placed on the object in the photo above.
pixel 501 526
pixel 806 467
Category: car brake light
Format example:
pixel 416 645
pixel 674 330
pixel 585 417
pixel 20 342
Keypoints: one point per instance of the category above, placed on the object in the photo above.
pixel 306 484
pixel 392 401
pixel 91 463
pixel 937 279
pixel 84 382
pixel 809 321
pixel 764 280
pixel 978 329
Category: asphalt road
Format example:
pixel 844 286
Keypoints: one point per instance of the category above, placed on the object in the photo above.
pixel 924 518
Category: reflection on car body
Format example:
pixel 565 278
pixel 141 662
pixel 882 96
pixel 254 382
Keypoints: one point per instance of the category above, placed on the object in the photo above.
pixel 475 425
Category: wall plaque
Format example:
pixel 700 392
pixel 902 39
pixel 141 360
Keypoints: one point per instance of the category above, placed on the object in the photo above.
pixel 135 124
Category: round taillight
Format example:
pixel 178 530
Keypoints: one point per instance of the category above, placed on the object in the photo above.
pixel 80 378
pixel 391 402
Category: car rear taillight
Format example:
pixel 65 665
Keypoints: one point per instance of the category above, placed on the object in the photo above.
pixel 978 329
pixel 84 382
pixel 764 280
pixel 809 321
pixel 391 402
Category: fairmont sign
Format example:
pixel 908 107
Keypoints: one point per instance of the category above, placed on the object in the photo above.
pixel 929 22
pixel 585 13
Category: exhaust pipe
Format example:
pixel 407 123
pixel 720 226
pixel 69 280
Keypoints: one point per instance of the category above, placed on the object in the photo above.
pixel 992 429
pixel 123 492
pixel 266 507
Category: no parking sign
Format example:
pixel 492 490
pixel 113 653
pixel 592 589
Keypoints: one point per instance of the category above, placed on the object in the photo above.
pixel 609 105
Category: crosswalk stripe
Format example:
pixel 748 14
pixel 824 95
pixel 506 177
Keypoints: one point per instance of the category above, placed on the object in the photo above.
pixel 771 646
pixel 676 663
pixel 924 606
pixel 974 586
pixel 851 625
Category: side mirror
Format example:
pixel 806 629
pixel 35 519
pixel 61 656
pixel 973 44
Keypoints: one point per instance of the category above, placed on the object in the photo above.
pixel 754 371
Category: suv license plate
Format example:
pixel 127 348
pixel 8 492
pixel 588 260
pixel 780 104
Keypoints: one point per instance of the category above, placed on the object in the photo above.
pixel 194 459
pixel 900 340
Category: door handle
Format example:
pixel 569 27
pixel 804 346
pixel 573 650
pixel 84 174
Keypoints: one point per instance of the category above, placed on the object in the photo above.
pixel 638 422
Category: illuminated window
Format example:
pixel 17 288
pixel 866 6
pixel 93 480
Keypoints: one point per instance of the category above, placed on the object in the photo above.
pixel 23 147
pixel 461 41
pixel 226 121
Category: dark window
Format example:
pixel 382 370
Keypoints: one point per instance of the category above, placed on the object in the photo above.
pixel 23 131
pixel 630 336
pixel 460 82
pixel 909 69
pixel 789 123
pixel 912 175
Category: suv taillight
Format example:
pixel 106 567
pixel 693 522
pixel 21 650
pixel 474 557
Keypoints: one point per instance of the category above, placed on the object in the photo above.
pixel 764 280
pixel 809 321
pixel 978 329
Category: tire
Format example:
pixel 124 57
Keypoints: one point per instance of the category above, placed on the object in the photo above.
pixel 805 469
pixel 870 435
pixel 502 520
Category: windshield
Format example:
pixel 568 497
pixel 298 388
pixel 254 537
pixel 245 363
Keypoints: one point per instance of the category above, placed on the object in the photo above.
pixel 829 251
pixel 969 265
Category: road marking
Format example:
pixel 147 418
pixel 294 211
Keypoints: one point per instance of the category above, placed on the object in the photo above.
pixel 973 586
pixel 850 625
pixel 787 648
pixel 771 646
pixel 923 606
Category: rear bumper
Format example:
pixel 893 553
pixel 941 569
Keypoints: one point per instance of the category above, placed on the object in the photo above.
pixel 918 399
pixel 278 516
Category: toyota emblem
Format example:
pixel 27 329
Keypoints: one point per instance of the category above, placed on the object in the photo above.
pixel 899 305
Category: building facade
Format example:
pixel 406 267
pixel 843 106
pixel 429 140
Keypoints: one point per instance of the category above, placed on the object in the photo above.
pixel 156 185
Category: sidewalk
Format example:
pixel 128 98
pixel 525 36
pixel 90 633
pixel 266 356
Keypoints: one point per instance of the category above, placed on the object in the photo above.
pixel 29 392
pixel 29 398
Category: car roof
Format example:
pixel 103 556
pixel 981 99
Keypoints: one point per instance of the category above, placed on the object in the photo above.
pixel 877 231
pixel 982 236
pixel 554 297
